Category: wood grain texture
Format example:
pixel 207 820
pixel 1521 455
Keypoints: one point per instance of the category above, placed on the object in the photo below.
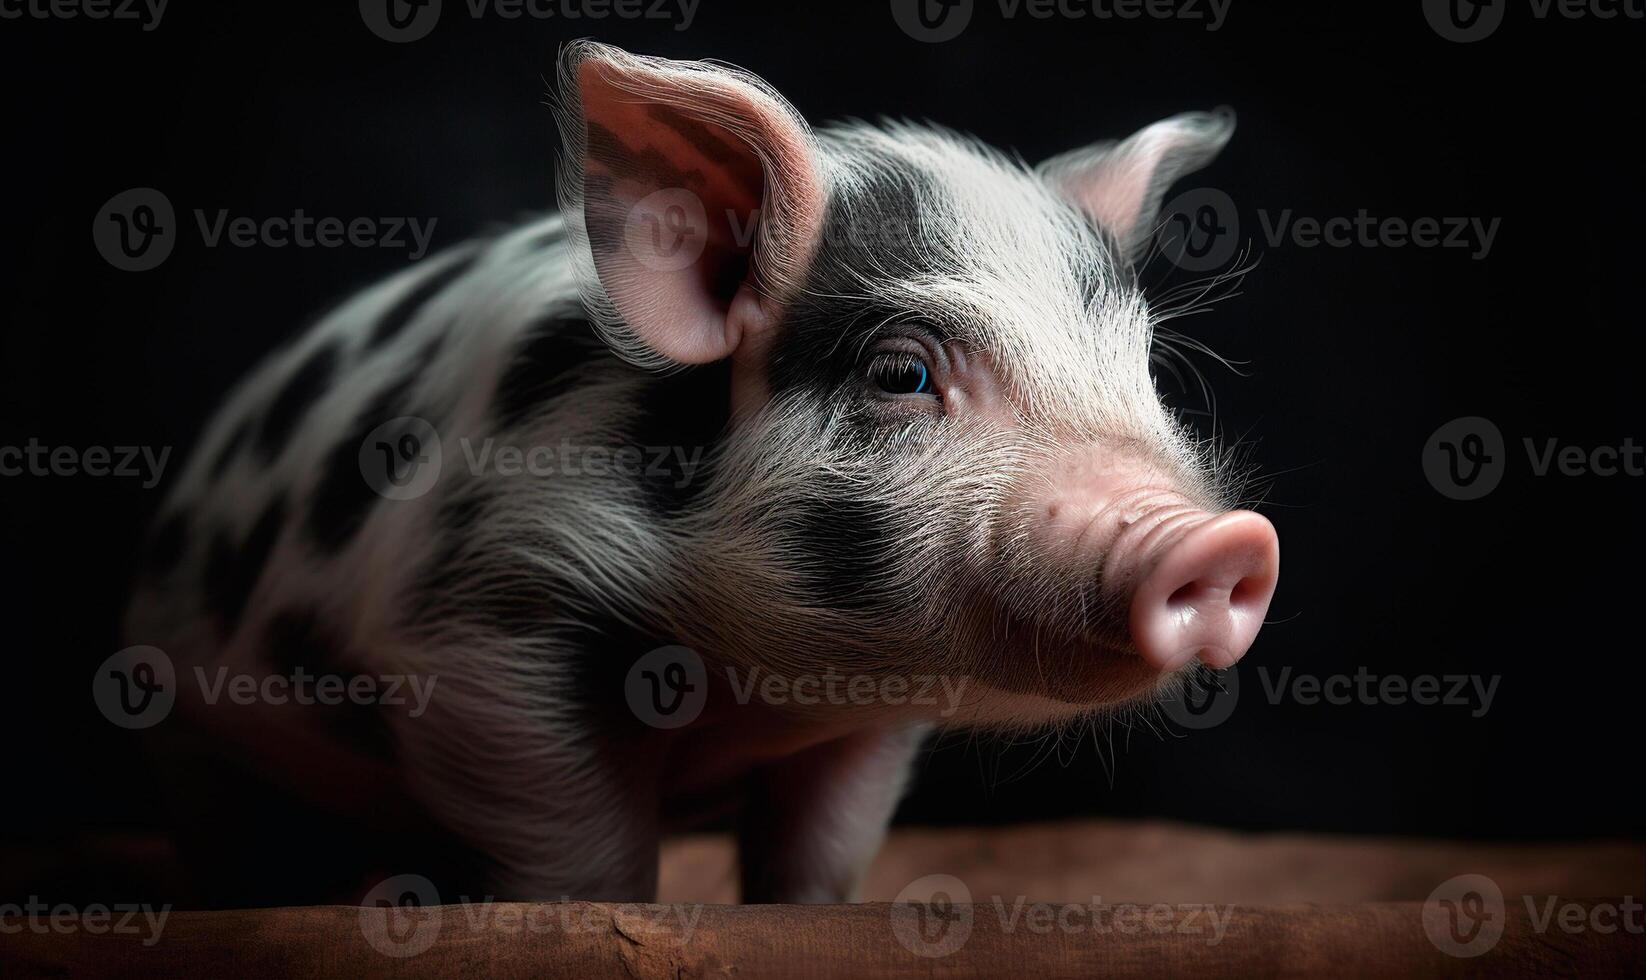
pixel 646 941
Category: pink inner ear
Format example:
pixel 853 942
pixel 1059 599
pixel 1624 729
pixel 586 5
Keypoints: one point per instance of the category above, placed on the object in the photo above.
pixel 674 188
pixel 1120 186
pixel 1114 195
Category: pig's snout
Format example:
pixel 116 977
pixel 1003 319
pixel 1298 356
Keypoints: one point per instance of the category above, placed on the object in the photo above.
pixel 1203 585
pixel 1193 583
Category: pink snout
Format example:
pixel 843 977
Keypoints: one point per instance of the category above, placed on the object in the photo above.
pixel 1203 592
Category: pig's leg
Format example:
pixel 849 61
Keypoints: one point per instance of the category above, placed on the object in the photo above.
pixel 816 819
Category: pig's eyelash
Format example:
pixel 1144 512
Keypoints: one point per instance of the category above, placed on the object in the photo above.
pixel 902 374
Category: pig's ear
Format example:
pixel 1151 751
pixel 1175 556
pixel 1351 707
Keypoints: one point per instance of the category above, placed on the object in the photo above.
pixel 1120 185
pixel 693 197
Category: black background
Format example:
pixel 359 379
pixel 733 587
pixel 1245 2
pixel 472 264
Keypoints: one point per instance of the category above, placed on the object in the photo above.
pixel 1355 355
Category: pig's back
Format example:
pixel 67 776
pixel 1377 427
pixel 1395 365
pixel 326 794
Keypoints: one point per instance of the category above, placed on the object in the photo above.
pixel 274 529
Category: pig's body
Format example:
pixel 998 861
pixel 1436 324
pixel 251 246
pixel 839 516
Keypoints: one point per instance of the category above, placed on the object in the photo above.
pixel 774 535
pixel 275 552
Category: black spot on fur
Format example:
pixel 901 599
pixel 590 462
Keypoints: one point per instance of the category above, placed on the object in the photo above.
pixel 682 419
pixel 300 391
pixel 846 538
pixel 298 642
pixel 424 359
pixel 454 524
pixel 825 328
pixel 544 367
pixel 231 446
pixel 403 312
pixel 166 545
pixel 343 498
pixel 297 638
pixel 596 674
pixel 232 571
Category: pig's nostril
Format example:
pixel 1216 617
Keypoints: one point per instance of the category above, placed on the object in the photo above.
pixel 1251 591
pixel 1207 594
pixel 1193 596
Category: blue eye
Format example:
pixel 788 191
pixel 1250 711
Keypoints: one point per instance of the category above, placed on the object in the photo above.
pixel 901 374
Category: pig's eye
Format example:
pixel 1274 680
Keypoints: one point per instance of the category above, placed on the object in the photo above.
pixel 901 374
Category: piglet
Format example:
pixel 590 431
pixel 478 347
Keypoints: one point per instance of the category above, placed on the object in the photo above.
pixel 679 499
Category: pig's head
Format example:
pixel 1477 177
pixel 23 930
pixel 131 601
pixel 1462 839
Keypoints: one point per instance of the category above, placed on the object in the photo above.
pixel 947 454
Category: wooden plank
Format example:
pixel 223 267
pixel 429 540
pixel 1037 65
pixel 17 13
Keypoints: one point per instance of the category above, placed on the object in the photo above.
pixel 870 940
